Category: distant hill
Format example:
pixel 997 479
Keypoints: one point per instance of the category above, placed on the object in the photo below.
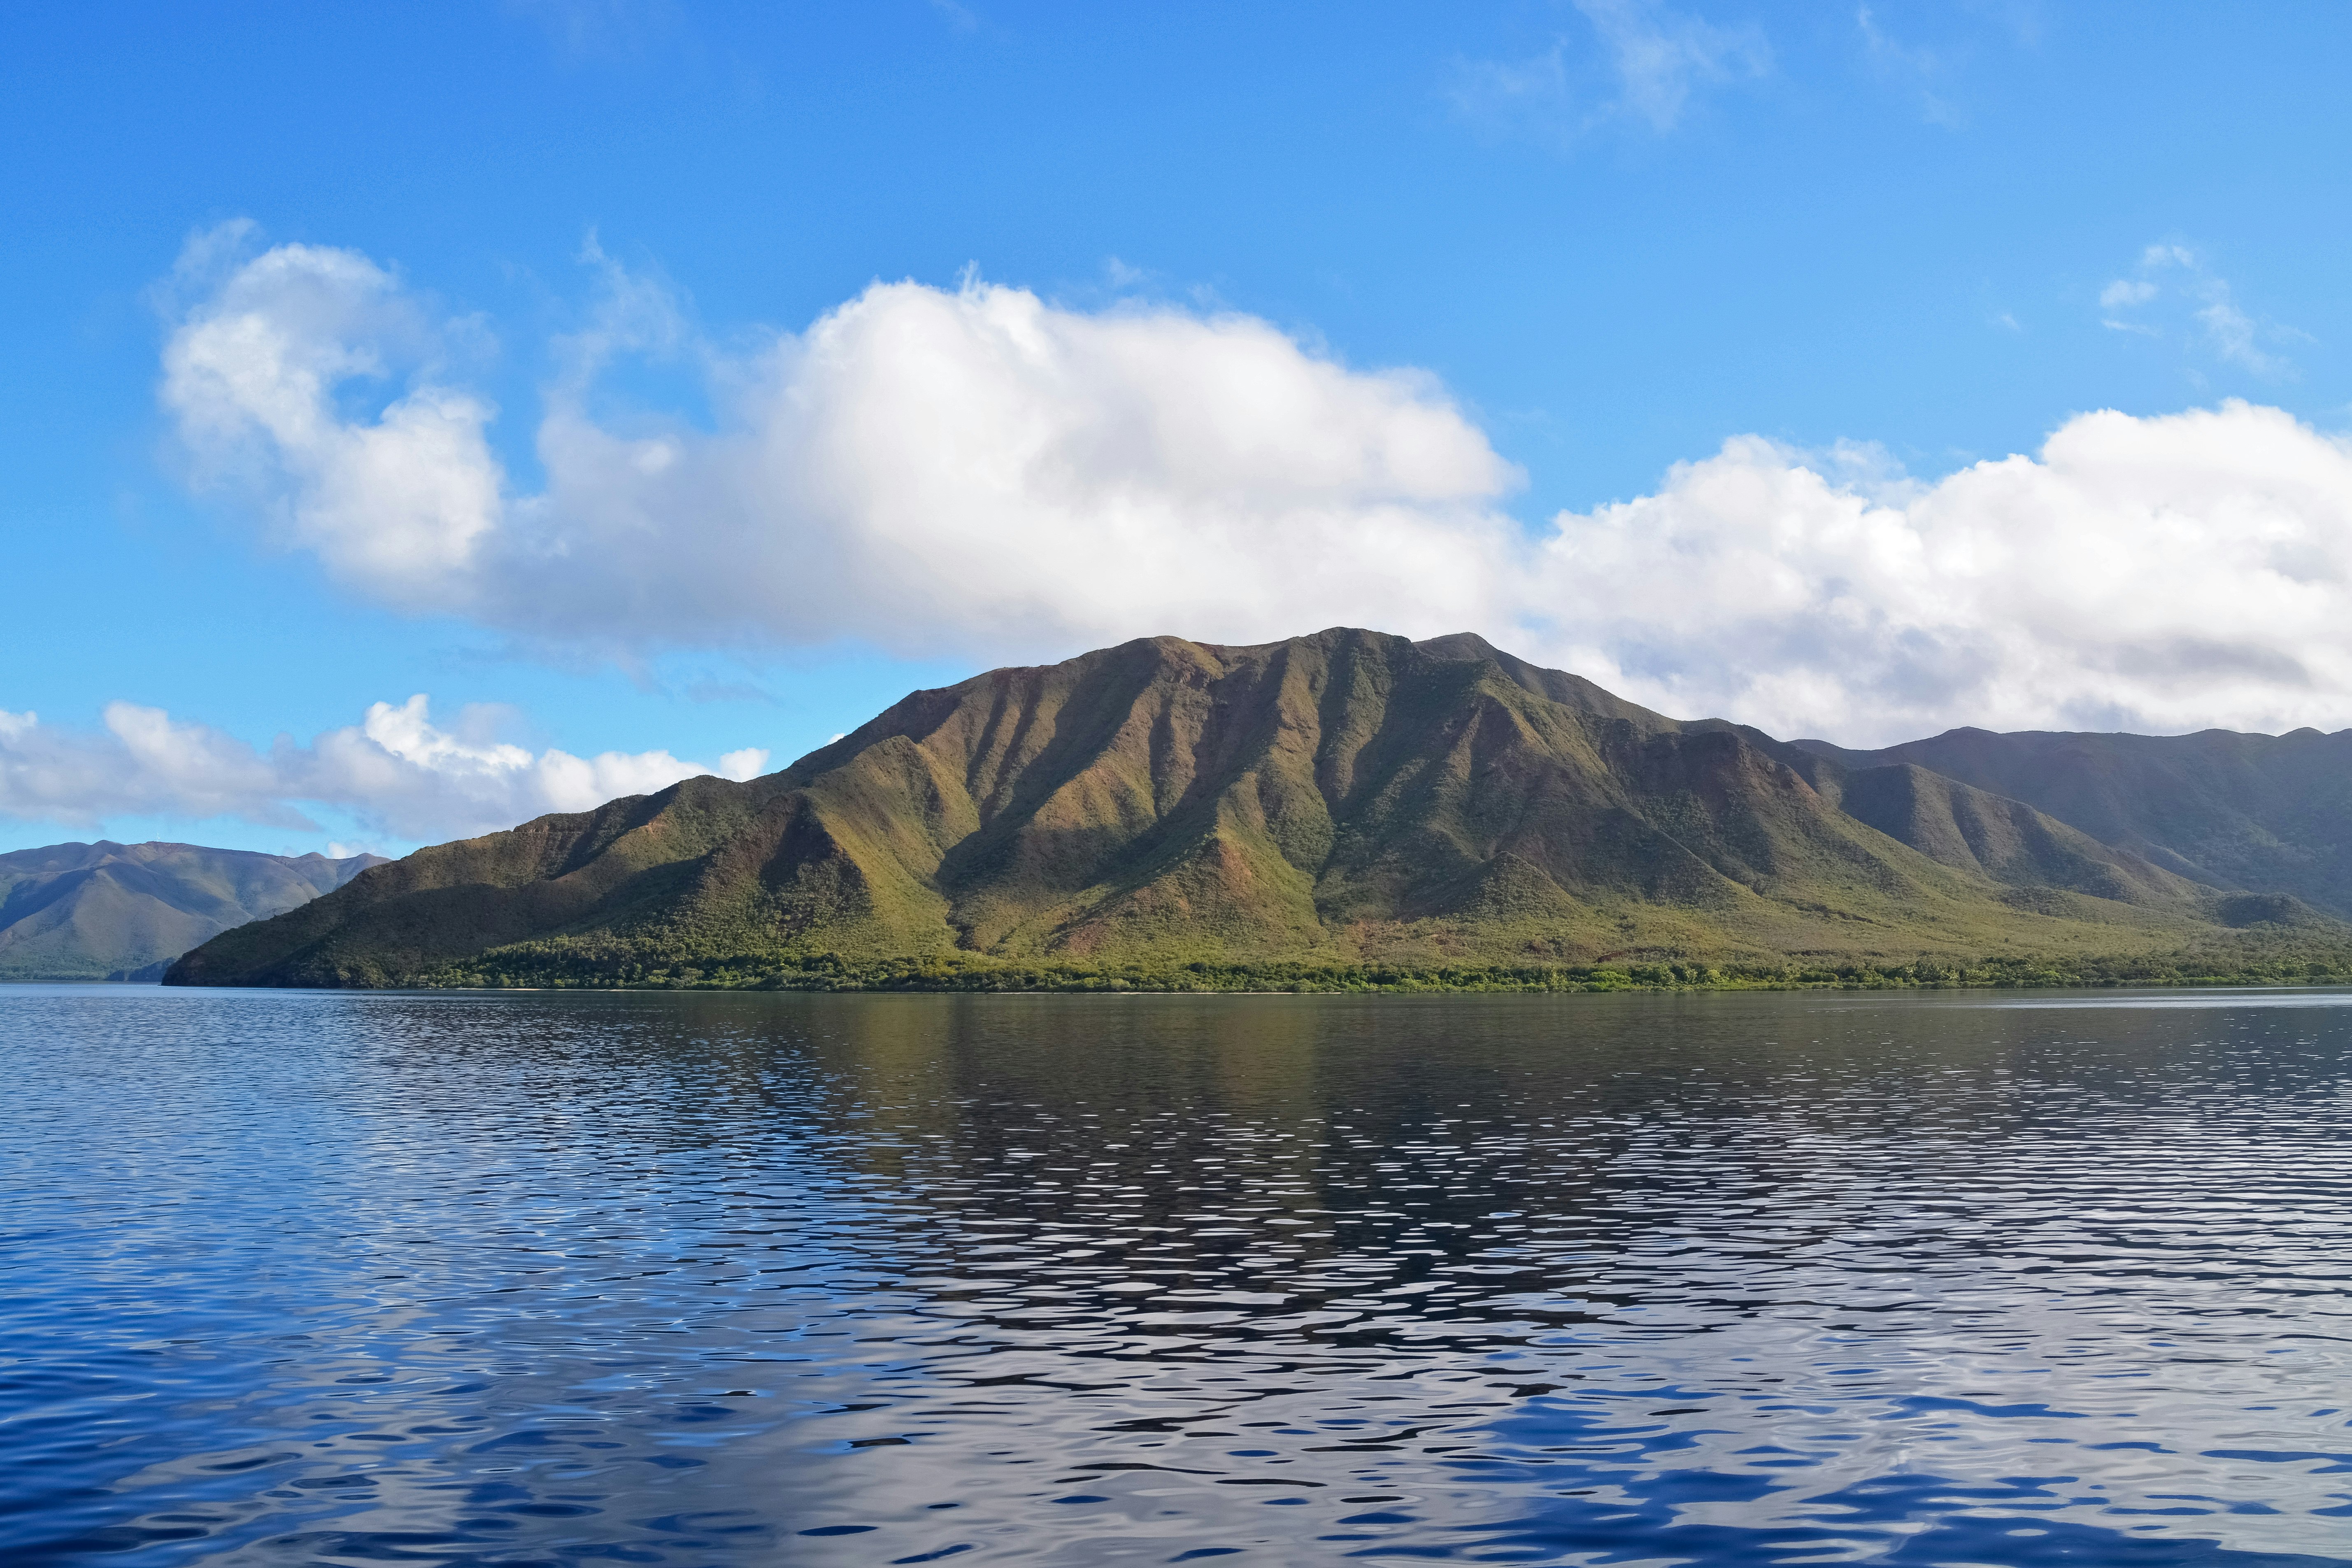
pixel 2269 813
pixel 1345 797
pixel 124 911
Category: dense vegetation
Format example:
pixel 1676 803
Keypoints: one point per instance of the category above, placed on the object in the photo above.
pixel 1345 810
pixel 560 965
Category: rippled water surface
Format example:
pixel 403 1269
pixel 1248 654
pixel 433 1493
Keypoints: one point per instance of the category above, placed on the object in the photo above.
pixel 306 1277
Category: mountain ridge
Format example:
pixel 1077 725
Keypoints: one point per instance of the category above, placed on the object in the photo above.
pixel 105 910
pixel 2245 813
pixel 1345 797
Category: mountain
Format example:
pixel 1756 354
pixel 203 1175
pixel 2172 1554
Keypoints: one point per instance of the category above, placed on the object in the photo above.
pixel 2264 814
pixel 123 911
pixel 1345 797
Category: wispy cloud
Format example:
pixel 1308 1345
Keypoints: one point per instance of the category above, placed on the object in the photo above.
pixel 1527 98
pixel 2172 291
pixel 1663 57
pixel 1651 62
pixel 396 771
pixel 587 30
pixel 1922 69
pixel 958 16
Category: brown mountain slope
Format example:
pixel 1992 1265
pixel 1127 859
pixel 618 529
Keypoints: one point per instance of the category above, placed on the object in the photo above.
pixel 1342 796
pixel 1950 822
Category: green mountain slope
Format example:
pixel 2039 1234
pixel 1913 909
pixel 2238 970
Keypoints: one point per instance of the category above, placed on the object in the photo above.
pixel 107 910
pixel 1342 797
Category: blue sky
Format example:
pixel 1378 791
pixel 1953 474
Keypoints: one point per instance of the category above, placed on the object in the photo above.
pixel 1512 264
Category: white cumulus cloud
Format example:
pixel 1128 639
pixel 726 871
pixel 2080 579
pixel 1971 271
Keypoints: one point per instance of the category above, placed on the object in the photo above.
pixel 934 470
pixel 251 375
pixel 394 772
pixel 980 473
pixel 2155 573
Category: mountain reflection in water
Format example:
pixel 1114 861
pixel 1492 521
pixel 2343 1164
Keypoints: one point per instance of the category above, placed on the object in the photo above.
pixel 311 1277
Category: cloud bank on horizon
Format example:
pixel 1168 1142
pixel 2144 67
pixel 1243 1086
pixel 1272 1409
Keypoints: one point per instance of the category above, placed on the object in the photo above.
pixel 396 770
pixel 979 472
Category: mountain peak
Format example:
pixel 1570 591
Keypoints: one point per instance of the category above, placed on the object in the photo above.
pixel 1344 796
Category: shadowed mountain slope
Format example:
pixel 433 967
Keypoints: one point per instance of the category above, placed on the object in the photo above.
pixel 1345 796
pixel 123 911
pixel 2269 813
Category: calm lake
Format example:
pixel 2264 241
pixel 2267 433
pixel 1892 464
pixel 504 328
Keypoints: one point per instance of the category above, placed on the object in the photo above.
pixel 1966 1277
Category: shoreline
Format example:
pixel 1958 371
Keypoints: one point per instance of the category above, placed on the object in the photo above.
pixel 832 974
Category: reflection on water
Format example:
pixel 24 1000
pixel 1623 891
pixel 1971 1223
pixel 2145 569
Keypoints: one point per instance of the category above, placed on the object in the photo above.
pixel 708 1280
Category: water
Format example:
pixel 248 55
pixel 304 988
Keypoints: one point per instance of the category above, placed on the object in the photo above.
pixel 707 1279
